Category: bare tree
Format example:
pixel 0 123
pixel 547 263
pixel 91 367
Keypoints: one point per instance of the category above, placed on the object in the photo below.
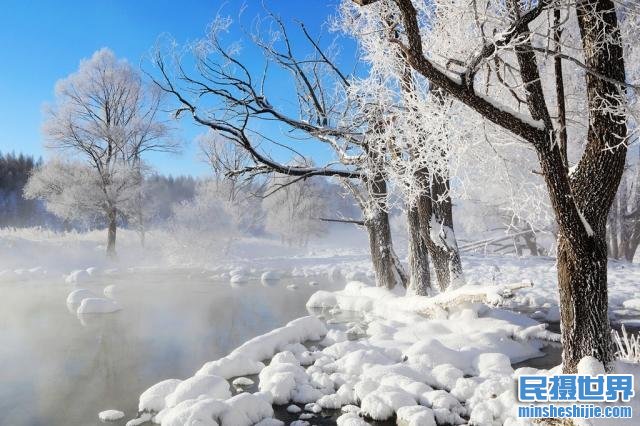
pixel 107 115
pixel 581 199
pixel 237 101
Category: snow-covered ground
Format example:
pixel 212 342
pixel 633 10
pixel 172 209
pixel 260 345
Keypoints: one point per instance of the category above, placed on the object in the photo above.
pixel 369 352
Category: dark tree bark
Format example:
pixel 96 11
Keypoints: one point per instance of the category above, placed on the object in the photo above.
pixel 436 227
pixel 419 274
pixel 386 265
pixel 582 262
pixel 111 232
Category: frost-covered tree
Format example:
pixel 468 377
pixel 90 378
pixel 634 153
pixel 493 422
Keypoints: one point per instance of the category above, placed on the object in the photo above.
pixel 513 63
pixel 74 192
pixel 203 227
pixel 623 225
pixel 234 101
pixel 293 210
pixel 107 116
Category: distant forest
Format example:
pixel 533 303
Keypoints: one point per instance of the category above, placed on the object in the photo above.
pixel 16 211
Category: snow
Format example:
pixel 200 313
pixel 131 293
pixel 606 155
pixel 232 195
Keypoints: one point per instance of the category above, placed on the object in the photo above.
pixel 242 382
pixel 231 366
pixel 238 279
pixel 77 296
pixel 197 386
pixel 351 419
pixel 419 359
pixel 416 415
pixel 144 417
pixel 97 305
pixel 246 359
pixel 270 276
pixel 294 409
pixel 110 415
pixel 632 304
pixel 78 276
pixel 111 291
pixel 153 399
pixel 587 226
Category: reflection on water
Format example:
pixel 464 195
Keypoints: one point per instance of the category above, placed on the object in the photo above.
pixel 58 369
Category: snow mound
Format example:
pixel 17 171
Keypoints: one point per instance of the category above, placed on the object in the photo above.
pixel 238 279
pixel 231 366
pixel 110 415
pixel 244 409
pixel 416 415
pixel 78 276
pixel 632 304
pixel 242 382
pixel 111 291
pixel 206 385
pixel 350 419
pixel 270 276
pixel 77 296
pixel 97 305
pixel 153 399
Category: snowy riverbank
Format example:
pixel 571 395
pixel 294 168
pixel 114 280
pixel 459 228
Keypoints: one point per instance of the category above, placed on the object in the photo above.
pixel 388 360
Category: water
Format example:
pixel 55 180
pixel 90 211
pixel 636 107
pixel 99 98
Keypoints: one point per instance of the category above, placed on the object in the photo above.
pixel 57 369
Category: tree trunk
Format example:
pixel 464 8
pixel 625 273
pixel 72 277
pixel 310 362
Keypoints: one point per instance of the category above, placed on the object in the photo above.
pixel 419 275
pixel 582 280
pixel 437 230
pixel 582 256
pixel 386 265
pixel 111 233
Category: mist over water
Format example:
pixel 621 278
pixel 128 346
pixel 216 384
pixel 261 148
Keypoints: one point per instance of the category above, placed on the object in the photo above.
pixel 61 369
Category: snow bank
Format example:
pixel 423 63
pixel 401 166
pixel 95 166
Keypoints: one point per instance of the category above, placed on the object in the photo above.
pixel 246 359
pixel 198 386
pixel 153 399
pixel 241 410
pixel 205 397
pixel 97 305
pixel 425 360
pixel 358 296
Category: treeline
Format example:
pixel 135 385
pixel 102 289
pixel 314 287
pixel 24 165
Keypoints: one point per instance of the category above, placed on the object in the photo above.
pixel 15 210
pixel 18 211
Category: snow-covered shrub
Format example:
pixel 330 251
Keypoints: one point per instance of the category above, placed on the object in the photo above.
pixel 294 209
pixel 627 346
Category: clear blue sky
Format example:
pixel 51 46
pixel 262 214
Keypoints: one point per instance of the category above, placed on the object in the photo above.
pixel 42 41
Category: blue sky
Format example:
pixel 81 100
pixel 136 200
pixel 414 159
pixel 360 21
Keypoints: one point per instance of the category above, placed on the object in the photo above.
pixel 43 41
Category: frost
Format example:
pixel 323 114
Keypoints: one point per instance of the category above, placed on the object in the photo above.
pixel 586 225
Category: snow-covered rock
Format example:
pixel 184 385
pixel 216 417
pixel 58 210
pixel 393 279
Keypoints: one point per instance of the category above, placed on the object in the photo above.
pixel 76 277
pixel 231 366
pixel 242 382
pixel 238 279
pixel 270 277
pixel 77 296
pixel 97 305
pixel 111 291
pixel 415 415
pixel 153 399
pixel 208 386
pixel 110 415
